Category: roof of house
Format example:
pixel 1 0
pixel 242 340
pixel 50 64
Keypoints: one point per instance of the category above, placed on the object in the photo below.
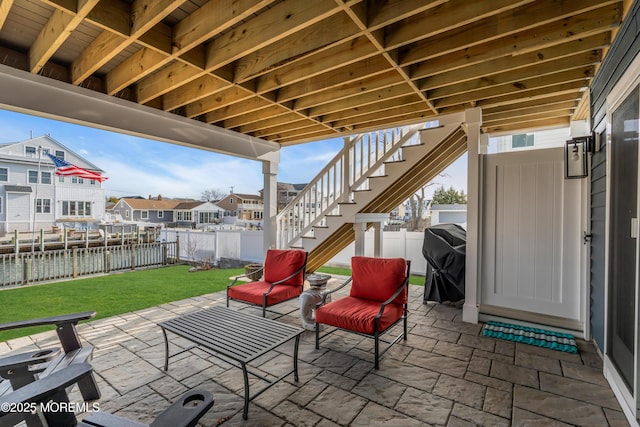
pixel 188 205
pixel 7 151
pixel 245 196
pixel 151 204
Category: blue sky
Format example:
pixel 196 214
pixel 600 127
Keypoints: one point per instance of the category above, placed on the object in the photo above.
pixel 141 167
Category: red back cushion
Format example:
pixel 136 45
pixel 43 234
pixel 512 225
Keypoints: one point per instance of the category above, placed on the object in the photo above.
pixel 281 263
pixel 377 278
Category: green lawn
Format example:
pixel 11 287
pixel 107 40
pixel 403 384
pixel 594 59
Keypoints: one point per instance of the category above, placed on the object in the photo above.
pixel 117 293
pixel 107 295
pixel 414 280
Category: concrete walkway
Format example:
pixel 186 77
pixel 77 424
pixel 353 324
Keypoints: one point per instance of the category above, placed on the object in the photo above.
pixel 445 374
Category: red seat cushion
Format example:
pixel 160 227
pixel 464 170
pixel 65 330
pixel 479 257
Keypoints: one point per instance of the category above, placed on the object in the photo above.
pixel 378 278
pixel 357 314
pixel 252 292
pixel 281 263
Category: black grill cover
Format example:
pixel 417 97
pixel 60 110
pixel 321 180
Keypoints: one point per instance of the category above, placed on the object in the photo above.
pixel 444 247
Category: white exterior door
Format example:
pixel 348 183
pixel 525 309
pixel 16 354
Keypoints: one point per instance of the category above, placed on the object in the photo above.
pixel 531 238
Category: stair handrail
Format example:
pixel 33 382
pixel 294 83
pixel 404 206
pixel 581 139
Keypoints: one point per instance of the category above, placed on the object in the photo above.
pixel 361 157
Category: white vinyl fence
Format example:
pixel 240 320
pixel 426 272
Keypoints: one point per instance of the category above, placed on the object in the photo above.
pixel 211 246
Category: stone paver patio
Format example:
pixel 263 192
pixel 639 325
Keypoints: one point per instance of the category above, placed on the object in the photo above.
pixel 446 373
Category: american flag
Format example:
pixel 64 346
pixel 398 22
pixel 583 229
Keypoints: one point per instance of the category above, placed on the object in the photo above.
pixel 64 168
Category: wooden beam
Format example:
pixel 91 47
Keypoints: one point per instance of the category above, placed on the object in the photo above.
pixel 549 111
pixel 382 114
pixel 451 15
pixel 525 95
pixel 528 125
pixel 5 7
pixel 517 76
pixel 360 110
pixel 193 91
pixel 516 32
pixel 336 29
pixel 134 67
pixel 316 64
pixel 282 20
pixel 365 69
pixel 530 104
pixel 264 123
pixel 441 76
pixel 237 118
pixel 55 32
pixel 581 75
pixel 390 78
pixel 359 100
pixel 225 97
pixel 143 16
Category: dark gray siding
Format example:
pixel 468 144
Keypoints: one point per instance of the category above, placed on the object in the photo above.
pixel 621 54
pixel 597 230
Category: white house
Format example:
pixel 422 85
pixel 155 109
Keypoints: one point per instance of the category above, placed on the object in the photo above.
pixel 32 197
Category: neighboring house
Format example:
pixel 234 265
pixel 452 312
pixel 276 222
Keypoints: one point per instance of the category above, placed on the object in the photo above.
pixel 151 210
pixel 199 213
pixel 242 206
pixel 174 212
pixel 286 193
pixel 455 213
pixel 34 198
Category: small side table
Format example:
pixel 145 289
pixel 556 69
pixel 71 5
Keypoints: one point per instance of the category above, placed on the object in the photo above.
pixel 311 297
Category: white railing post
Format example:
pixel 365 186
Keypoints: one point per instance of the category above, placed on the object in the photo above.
pixel 346 171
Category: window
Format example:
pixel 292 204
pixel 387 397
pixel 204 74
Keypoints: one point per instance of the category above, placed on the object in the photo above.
pixel 184 216
pixel 43 205
pixel 160 214
pixel 76 208
pixel 126 214
pixel 257 215
pixel 231 200
pixel 32 177
pixel 61 179
pixel 30 151
pixel 92 182
pixel 60 154
pixel 144 214
pixel 522 140
pixel 45 177
pixel 1 205
pixel 4 174
pixel 207 217
pixel 74 179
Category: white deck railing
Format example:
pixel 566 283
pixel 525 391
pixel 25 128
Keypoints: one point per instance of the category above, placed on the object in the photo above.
pixel 362 157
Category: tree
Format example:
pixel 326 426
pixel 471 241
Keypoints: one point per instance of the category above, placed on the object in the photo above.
pixel 113 199
pixel 449 197
pixel 212 195
pixel 418 206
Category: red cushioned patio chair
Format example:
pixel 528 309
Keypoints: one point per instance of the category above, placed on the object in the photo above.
pixel 282 279
pixel 376 302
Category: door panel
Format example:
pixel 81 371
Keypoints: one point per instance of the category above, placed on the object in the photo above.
pixel 623 238
pixel 531 234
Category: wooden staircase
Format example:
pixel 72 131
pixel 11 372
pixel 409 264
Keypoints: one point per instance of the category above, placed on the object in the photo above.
pixel 375 173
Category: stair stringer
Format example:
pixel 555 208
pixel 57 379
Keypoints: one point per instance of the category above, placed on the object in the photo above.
pixel 440 150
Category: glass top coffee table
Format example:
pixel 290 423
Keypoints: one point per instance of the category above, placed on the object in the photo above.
pixel 237 338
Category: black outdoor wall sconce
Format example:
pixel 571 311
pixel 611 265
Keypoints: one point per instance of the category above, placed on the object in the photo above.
pixel 576 164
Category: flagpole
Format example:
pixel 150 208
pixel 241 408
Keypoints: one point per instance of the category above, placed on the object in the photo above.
pixel 35 202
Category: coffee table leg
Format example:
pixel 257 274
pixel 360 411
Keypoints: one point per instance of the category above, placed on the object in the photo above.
pixel 295 358
pixel 166 350
pixel 245 412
